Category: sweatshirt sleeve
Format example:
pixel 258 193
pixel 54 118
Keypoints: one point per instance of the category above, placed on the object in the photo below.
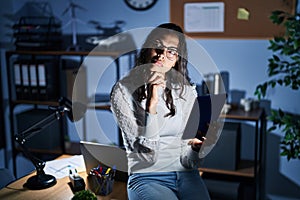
pixel 189 158
pixel 139 128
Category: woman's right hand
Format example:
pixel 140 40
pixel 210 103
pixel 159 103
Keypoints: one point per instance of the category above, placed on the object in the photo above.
pixel 155 81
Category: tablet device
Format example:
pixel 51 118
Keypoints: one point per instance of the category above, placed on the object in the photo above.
pixel 206 109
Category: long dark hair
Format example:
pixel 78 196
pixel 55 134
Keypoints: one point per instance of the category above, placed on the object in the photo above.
pixel 180 78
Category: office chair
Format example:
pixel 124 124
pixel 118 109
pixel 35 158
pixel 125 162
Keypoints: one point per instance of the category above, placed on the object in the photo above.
pixel 6 177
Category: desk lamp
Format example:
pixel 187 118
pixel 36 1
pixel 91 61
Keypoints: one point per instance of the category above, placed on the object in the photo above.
pixel 42 180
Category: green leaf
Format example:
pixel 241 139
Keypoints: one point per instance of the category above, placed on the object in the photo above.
pixel 277 12
pixel 280 112
pixel 276 58
pixel 272 128
pixel 284 153
pixel 295 85
pixel 287 80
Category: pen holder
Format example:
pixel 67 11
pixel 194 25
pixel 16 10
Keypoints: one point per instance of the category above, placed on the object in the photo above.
pixel 101 184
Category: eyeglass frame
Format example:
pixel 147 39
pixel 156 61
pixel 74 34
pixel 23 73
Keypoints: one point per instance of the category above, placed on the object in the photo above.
pixel 169 51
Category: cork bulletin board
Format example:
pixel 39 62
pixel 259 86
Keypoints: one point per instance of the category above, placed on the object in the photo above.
pixel 244 19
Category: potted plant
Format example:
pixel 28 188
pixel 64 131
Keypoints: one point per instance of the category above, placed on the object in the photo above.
pixel 84 195
pixel 284 70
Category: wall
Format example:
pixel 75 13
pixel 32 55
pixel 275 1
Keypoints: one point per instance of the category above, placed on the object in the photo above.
pixel 246 60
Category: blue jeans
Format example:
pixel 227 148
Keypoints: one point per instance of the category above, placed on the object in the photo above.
pixel 183 185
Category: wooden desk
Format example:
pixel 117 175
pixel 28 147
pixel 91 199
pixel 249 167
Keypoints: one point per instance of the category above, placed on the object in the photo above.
pixel 61 190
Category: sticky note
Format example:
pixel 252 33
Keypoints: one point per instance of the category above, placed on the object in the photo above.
pixel 243 14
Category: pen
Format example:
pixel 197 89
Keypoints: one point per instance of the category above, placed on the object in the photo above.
pixel 108 170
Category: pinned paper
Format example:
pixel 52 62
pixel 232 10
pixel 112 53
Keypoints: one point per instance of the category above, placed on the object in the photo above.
pixel 204 17
pixel 243 14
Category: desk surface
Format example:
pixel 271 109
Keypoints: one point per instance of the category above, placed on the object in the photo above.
pixel 240 114
pixel 61 190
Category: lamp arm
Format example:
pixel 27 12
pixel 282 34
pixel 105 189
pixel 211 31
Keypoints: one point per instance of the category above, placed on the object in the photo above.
pixel 38 163
pixel 22 137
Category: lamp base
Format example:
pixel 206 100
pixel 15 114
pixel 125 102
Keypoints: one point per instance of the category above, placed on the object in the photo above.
pixel 40 181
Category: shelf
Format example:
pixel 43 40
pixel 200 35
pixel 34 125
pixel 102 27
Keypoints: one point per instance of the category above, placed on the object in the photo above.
pixel 245 169
pixel 100 101
pixel 68 53
pixel 99 106
pixel 55 151
pixel 50 103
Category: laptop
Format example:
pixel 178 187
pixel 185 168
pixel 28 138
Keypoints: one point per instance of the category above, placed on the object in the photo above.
pixel 95 154
pixel 206 109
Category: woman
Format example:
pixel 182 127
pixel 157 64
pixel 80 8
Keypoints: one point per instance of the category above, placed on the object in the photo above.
pixel 152 105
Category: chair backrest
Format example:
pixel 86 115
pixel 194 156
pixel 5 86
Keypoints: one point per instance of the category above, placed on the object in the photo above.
pixel 6 177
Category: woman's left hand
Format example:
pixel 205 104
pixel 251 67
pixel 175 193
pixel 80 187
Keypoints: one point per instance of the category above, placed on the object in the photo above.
pixel 196 143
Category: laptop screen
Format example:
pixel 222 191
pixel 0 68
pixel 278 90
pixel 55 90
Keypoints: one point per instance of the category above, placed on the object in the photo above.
pixel 95 154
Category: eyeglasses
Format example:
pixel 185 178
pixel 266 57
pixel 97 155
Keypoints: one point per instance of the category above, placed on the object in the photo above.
pixel 171 52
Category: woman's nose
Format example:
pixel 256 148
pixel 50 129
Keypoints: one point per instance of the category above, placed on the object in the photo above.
pixel 161 56
pixel 160 53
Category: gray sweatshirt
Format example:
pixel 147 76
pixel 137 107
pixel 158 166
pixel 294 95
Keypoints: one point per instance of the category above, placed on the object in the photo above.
pixel 154 142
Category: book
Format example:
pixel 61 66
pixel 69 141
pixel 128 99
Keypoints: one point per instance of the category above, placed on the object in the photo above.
pixel 33 81
pixel 42 81
pixel 18 80
pixel 25 81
